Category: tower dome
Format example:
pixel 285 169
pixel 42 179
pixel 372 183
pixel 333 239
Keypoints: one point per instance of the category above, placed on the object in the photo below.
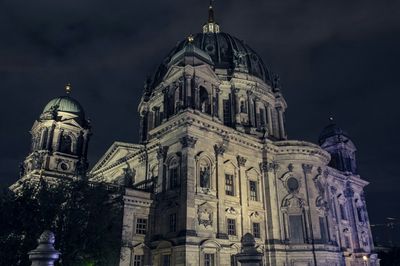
pixel 337 142
pixel 65 104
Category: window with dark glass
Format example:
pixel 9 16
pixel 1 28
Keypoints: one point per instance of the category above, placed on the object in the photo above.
pixel 66 144
pixel 227 112
pixel 296 232
pixel 343 212
pixel 141 226
pixel 229 185
pixel 166 260
pixel 138 260
pixel 262 117
pixel 209 259
pixel 253 190
pixel 172 222
pixel 243 108
pixel 347 243
pixel 256 230
pixel 173 174
pixel 324 229
pixel 231 227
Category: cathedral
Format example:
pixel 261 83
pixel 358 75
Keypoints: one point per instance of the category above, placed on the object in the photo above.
pixel 214 163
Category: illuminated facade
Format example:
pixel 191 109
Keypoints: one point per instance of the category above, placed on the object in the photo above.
pixel 214 163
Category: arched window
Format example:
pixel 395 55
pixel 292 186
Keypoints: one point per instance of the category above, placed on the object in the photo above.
pixel 66 144
pixel 243 108
pixel 43 140
pixel 205 174
pixel 204 101
pixel 79 146
pixel 173 174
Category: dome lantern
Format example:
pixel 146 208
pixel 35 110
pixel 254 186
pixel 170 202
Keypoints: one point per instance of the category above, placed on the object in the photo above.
pixel 211 26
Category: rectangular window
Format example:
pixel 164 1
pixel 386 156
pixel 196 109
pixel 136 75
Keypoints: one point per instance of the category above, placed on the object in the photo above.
pixel 256 230
pixel 138 260
pixel 172 222
pixel 231 227
pixel 253 190
pixel 227 112
pixel 343 212
pixel 347 243
pixel 296 234
pixel 229 186
pixel 173 175
pixel 141 226
pixel 324 229
pixel 166 260
pixel 209 259
pixel 262 117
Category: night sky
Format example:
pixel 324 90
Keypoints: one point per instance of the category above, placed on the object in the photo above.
pixel 338 58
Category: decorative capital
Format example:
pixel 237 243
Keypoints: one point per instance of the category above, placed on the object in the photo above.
pixel 188 141
pixel 143 157
pixel 241 160
pixel 219 149
pixel 264 167
pixel 307 168
pixel 273 166
pixel 162 152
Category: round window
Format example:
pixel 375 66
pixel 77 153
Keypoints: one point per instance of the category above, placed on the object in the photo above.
pixel 292 184
pixel 210 48
pixel 64 166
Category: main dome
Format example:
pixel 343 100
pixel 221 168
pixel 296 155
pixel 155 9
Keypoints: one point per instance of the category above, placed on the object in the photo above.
pixel 226 51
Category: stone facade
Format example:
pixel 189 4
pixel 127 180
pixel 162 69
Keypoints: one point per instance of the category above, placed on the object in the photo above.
pixel 214 164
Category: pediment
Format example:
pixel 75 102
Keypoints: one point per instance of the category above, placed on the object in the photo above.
pixel 118 153
pixel 252 172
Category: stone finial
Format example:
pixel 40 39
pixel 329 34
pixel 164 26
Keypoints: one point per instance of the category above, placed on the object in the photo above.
pixel 45 254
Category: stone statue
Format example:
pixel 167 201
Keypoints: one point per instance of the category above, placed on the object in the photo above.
pixel 205 177
pixel 129 175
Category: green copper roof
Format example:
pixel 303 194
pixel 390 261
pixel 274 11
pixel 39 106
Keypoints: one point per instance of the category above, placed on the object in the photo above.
pixel 65 104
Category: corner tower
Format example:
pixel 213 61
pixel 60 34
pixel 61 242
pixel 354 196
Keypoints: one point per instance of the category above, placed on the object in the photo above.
pixel 60 138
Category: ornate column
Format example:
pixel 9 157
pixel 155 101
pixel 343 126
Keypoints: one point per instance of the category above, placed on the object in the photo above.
pixel 349 195
pixel 307 168
pixel 250 108
pixel 216 102
pixel 188 182
pixel 165 92
pixel 241 161
pixel 281 123
pixel 269 118
pixel 188 86
pixel 45 253
pixel 219 151
pixel 161 156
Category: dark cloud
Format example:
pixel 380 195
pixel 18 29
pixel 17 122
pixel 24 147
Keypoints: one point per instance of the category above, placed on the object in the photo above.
pixel 334 57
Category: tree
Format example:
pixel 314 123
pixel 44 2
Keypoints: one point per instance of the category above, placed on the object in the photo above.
pixel 85 217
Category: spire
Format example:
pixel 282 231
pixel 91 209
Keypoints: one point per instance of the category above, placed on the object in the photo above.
pixel 68 88
pixel 211 26
pixel 210 12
